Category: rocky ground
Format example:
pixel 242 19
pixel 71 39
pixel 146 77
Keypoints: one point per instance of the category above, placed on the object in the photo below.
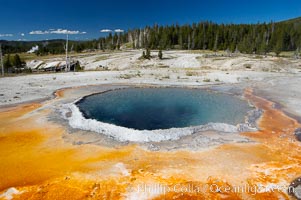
pixel 274 78
pixel 44 157
pixel 176 68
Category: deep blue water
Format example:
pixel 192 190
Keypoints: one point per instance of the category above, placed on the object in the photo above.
pixel 163 108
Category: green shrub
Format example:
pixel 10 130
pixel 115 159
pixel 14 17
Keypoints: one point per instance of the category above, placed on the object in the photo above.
pixel 160 54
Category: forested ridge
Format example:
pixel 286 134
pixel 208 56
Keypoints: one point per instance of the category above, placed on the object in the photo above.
pixel 247 38
pixel 260 38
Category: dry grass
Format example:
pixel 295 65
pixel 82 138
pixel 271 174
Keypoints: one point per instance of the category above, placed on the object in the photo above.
pixel 100 58
pixel 192 73
pixel 33 56
pixel 248 66
pixel 129 76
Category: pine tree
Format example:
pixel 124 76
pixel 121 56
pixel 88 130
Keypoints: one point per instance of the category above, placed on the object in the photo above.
pixel 16 61
pixel 7 62
pixel 160 54
pixel 148 53
pixel 278 47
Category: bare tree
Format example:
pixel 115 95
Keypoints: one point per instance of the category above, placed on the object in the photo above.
pixel 204 37
pixel 1 58
pixel 193 38
pixel 67 60
pixel 215 43
pixel 189 42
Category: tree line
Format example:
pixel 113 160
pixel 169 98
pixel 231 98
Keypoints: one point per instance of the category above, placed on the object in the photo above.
pixel 260 38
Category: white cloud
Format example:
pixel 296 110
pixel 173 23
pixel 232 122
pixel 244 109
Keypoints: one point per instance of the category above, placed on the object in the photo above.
pixel 38 32
pixel 57 31
pixel 119 30
pixel 64 31
pixel 22 34
pixel 6 35
pixel 105 30
pixel 61 31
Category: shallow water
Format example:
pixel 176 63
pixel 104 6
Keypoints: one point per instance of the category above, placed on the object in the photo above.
pixel 163 108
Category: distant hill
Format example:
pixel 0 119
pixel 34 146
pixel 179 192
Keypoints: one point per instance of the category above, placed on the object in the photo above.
pixel 292 21
pixel 55 46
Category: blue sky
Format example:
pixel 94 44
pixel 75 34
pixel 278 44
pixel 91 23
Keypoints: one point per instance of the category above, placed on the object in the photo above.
pixel 85 18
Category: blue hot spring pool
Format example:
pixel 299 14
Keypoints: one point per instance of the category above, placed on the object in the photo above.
pixel 163 108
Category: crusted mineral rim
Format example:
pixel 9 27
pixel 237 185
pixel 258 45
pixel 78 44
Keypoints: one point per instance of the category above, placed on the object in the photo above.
pixel 77 120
